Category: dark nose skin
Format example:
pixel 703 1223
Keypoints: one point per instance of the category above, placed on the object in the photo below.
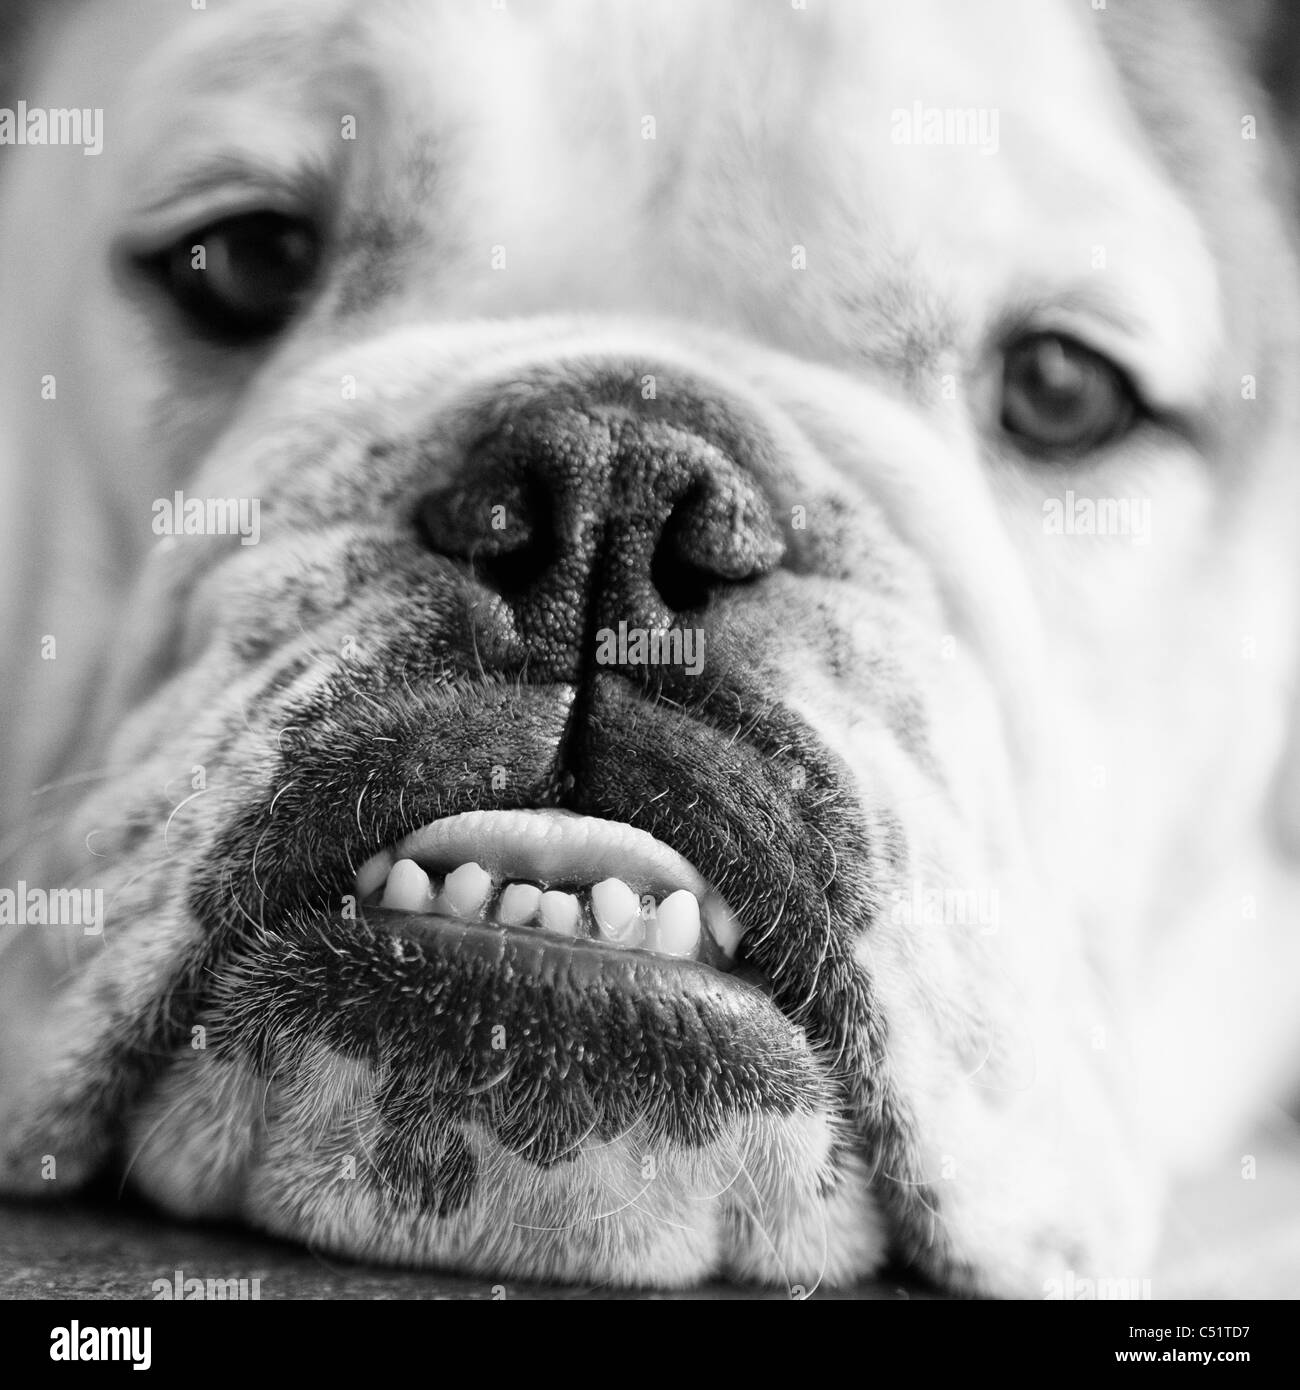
pixel 581 517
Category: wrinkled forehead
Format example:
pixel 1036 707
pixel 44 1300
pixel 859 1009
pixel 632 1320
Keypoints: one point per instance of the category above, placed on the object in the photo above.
pixel 983 149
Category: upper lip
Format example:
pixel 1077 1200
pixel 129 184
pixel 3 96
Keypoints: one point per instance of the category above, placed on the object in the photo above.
pixel 321 834
pixel 289 857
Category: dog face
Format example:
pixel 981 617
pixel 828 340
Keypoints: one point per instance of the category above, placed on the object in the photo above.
pixel 833 467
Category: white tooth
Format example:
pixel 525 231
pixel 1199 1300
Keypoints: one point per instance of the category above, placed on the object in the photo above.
pixel 617 911
pixel 723 926
pixel 518 905
pixel 373 874
pixel 559 912
pixel 676 930
pixel 465 890
pixel 407 889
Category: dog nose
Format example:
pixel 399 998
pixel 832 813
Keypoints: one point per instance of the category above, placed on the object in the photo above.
pixel 580 517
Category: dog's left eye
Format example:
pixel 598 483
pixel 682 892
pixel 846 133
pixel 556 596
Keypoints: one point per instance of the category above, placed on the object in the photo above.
pixel 1061 399
pixel 241 278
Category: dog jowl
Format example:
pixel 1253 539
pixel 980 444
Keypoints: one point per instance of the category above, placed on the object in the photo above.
pixel 527 593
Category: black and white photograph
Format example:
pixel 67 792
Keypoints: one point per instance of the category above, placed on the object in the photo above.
pixel 650 651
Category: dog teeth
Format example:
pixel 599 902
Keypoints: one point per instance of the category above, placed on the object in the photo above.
pixel 724 927
pixel 617 911
pixel 373 874
pixel 609 911
pixel 407 888
pixel 519 904
pixel 560 913
pixel 465 891
pixel 675 930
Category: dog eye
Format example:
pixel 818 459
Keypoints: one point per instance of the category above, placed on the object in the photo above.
pixel 241 278
pixel 1061 398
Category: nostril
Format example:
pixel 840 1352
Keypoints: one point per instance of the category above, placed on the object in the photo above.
pixel 713 534
pixel 459 521
pixel 557 509
pixel 504 532
pixel 683 585
pixel 512 573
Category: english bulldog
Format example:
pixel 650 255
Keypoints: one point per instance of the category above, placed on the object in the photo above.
pixel 648 642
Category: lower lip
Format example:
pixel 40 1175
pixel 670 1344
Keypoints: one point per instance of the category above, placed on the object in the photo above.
pixel 589 1030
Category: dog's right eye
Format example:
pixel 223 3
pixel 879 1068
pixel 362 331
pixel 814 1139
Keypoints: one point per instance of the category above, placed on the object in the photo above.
pixel 242 278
